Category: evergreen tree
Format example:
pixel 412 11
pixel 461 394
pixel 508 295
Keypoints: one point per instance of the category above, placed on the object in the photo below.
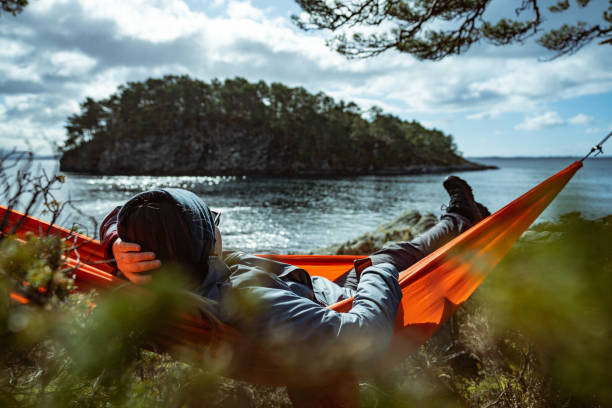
pixel 433 29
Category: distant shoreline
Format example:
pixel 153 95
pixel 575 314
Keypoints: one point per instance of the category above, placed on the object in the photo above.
pixel 535 157
pixel 409 170
pixel 603 157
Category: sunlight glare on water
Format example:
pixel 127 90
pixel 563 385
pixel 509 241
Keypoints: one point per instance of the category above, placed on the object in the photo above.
pixel 283 215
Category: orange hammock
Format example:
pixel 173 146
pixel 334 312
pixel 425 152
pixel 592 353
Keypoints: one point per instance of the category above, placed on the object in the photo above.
pixel 432 289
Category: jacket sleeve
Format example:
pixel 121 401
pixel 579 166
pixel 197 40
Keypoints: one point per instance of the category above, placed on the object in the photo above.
pixel 108 233
pixel 297 331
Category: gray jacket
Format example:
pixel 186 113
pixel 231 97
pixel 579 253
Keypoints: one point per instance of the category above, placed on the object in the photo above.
pixel 285 310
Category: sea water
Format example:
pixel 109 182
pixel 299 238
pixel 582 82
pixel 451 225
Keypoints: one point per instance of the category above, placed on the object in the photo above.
pixel 280 215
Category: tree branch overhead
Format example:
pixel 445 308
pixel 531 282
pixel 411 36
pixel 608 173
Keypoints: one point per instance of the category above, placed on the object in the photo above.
pixel 435 29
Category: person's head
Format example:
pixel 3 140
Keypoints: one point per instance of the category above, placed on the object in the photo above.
pixel 176 225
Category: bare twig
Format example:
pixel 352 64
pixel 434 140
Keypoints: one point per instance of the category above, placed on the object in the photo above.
pixel 497 400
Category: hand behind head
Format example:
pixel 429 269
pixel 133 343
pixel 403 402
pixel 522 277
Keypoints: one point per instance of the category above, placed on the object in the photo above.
pixel 134 264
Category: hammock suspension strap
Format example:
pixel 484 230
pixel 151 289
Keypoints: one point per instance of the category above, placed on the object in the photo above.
pixel 597 148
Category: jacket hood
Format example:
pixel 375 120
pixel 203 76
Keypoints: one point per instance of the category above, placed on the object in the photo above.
pixel 195 212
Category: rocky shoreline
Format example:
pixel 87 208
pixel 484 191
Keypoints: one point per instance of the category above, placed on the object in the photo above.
pixel 411 223
pixel 405 227
pixel 407 170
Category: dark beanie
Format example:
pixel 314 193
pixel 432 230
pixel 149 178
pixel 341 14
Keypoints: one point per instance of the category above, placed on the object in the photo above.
pixel 194 211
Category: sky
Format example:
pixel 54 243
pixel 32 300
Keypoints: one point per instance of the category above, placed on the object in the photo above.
pixel 495 101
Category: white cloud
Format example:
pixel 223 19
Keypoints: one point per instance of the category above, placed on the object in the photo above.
pixel 151 20
pixel 483 115
pixel 243 10
pixel 36 110
pixel 12 49
pixel 69 63
pixel 27 134
pixel 19 102
pixel 598 130
pixel 513 84
pixel 479 116
pixel 580 119
pixel 12 71
pixel 102 84
pixel 546 120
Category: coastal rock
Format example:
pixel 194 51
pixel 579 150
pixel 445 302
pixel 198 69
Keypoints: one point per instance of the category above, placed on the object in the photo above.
pixel 224 149
pixel 412 223
pixel 537 237
pixel 210 150
pixel 404 228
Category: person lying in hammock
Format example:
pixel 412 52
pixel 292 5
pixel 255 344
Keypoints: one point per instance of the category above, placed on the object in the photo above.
pixel 274 304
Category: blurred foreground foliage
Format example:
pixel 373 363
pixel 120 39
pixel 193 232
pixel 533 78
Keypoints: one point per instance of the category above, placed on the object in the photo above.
pixel 75 350
pixel 555 290
pixel 536 334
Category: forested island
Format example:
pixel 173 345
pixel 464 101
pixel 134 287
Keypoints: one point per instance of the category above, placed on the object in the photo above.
pixel 177 125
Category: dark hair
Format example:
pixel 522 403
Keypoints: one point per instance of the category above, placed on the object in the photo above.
pixel 157 222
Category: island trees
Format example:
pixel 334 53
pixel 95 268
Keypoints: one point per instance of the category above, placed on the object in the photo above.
pixel 434 29
pixel 221 127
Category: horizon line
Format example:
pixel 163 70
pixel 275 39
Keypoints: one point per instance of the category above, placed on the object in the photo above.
pixel 602 156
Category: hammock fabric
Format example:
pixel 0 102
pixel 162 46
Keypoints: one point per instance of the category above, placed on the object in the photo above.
pixel 432 289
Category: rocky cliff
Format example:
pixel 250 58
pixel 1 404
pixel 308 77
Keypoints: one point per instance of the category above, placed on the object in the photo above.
pixel 229 149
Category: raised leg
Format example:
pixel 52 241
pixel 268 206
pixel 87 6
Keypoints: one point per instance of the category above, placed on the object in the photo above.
pixel 405 254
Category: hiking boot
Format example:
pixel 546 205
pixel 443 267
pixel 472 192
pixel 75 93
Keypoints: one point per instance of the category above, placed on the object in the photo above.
pixel 462 200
